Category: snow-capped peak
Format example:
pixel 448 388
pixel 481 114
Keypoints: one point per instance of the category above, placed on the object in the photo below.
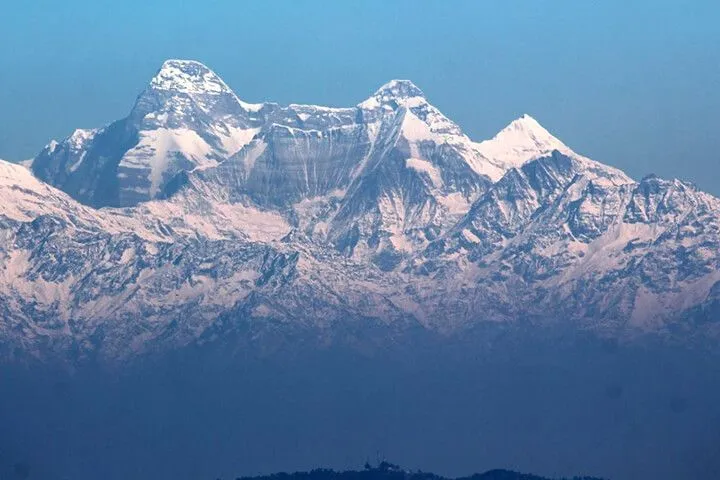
pixel 398 92
pixel 188 76
pixel 526 134
pixel 524 139
pixel 399 89
pixel 78 138
pixel 191 77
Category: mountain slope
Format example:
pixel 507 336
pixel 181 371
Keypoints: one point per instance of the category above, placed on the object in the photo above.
pixel 354 225
pixel 186 117
pixel 627 256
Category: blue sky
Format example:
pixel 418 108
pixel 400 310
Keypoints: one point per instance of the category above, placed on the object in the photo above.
pixel 632 83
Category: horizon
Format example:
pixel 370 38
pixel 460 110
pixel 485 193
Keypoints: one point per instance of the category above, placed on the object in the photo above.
pixel 635 91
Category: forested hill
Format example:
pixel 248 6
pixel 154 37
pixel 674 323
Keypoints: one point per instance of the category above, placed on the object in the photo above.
pixel 388 471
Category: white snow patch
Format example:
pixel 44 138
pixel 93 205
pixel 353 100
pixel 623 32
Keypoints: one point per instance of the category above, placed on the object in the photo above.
pixel 414 129
pixel 370 104
pixel 424 166
pixel 156 148
pixel 470 236
pixel 251 153
pixel 237 138
pixel 127 256
pixel 455 203
pixel 78 162
pixel 188 215
pixel 319 108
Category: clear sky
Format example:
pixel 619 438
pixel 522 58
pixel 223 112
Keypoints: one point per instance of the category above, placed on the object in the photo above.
pixel 635 84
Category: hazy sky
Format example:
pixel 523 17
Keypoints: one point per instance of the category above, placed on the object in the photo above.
pixel 635 84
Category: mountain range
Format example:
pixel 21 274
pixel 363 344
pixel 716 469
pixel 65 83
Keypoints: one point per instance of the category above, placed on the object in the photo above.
pixel 200 217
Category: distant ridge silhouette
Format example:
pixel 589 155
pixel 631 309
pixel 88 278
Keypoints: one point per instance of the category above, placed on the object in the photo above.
pixel 389 471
